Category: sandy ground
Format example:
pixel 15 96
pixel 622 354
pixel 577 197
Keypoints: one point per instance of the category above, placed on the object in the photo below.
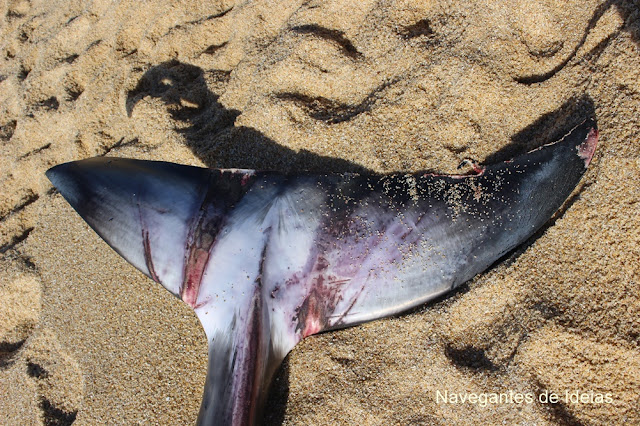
pixel 328 86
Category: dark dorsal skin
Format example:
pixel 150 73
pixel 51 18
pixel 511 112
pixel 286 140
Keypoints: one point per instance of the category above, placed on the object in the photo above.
pixel 267 259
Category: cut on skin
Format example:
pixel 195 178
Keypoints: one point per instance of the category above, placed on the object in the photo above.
pixel 267 259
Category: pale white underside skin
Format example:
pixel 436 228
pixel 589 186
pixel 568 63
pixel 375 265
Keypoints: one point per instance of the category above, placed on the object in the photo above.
pixel 273 238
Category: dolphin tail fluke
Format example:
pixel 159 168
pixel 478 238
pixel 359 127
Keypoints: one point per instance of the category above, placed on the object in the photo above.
pixel 267 259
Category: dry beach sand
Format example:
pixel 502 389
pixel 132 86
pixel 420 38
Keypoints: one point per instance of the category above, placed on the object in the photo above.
pixel 326 86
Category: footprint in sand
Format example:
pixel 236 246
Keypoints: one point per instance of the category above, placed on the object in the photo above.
pixel 20 310
pixel 40 383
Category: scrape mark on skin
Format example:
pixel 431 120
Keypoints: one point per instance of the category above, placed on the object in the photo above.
pixel 313 314
pixel 588 147
pixel 199 243
pixel 206 225
pixel 339 321
pixel 148 259
pixel 147 255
